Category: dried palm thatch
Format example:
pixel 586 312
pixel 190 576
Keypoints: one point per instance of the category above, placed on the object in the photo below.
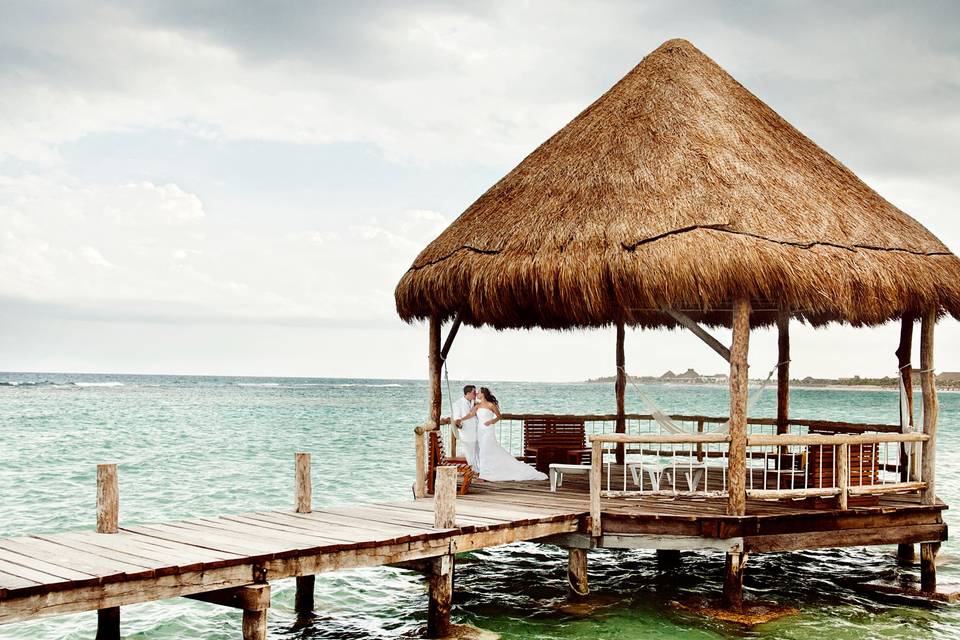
pixel 679 188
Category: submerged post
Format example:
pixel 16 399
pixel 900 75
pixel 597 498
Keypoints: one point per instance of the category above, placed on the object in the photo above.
pixel 621 388
pixel 930 406
pixel 108 521
pixel 255 612
pixel 928 566
pixel 733 579
pixel 303 599
pixel 441 567
pixel 577 573
pixel 783 369
pixel 739 379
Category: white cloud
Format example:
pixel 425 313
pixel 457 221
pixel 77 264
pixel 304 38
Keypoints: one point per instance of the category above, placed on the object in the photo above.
pixel 93 257
pixel 425 85
pixel 140 245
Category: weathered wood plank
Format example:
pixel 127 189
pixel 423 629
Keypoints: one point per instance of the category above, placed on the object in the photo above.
pixel 846 538
pixel 73 559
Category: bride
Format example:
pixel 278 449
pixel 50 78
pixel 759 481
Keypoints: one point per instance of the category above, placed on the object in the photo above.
pixel 495 463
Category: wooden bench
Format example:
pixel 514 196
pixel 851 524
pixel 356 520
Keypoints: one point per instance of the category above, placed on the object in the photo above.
pixel 437 457
pixel 554 439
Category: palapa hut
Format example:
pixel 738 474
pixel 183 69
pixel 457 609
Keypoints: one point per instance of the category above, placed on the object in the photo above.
pixel 680 198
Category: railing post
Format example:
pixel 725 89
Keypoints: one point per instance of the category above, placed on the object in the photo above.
pixel 699 444
pixel 445 498
pixel 843 473
pixel 420 484
pixel 441 567
pixel 108 521
pixel 596 473
pixel 620 388
pixel 304 485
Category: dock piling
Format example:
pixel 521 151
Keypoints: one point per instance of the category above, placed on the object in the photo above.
pixel 928 566
pixel 668 559
pixel 441 567
pixel 255 613
pixel 577 573
pixel 303 600
pixel 108 521
pixel 733 580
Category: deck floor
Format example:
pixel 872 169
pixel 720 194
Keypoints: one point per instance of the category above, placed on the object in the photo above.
pixel 80 571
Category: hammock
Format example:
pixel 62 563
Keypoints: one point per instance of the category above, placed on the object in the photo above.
pixel 669 424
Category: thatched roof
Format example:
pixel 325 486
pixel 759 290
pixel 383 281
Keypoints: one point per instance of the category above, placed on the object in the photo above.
pixel 680 188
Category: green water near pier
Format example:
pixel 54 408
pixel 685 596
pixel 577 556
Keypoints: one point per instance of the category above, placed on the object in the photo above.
pixel 198 446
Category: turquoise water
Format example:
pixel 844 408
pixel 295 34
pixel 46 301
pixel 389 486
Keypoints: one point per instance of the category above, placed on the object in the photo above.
pixel 192 446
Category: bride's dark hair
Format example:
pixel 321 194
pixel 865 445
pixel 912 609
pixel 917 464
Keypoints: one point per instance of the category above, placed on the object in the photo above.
pixel 489 396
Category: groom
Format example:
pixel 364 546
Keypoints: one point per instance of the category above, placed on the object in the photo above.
pixel 468 428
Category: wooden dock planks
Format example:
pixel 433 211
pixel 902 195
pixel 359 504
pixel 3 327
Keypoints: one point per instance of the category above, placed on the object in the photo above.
pixel 78 571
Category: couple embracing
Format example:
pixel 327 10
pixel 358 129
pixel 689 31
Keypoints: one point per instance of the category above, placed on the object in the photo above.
pixel 475 415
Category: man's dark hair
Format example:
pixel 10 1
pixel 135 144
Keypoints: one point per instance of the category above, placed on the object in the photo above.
pixel 468 388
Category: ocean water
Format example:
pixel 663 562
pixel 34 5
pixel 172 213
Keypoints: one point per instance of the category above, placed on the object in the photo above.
pixel 194 446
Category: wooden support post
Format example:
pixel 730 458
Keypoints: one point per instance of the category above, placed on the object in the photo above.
pixel 733 580
pixel 441 571
pixel 906 552
pixel 435 362
pixel 596 475
pixel 905 367
pixel 441 595
pixel 108 521
pixel 108 499
pixel 108 624
pixel 843 473
pixel 930 408
pixel 435 365
pixel 783 369
pixel 253 599
pixel 445 498
pixel 621 388
pixel 304 486
pixel 303 599
pixel 668 559
pixel 420 451
pixel 928 566
pixel 577 573
pixel 739 380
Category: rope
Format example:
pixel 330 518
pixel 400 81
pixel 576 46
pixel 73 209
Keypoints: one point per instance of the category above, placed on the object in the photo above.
pixel 446 374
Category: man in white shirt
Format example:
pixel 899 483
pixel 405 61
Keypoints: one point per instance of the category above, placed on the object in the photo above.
pixel 467 429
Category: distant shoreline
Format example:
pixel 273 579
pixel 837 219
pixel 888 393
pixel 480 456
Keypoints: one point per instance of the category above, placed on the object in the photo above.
pixel 832 385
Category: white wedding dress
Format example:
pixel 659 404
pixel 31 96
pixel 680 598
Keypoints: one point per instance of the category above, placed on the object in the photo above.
pixel 495 462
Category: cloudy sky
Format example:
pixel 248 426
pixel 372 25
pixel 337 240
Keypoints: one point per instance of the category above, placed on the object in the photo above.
pixel 236 187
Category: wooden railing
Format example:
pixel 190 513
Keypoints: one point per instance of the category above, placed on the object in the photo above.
pixel 795 457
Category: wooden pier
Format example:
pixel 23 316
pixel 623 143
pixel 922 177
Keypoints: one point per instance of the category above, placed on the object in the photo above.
pixel 230 559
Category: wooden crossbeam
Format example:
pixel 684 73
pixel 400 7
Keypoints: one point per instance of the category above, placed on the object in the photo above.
pixel 698 331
